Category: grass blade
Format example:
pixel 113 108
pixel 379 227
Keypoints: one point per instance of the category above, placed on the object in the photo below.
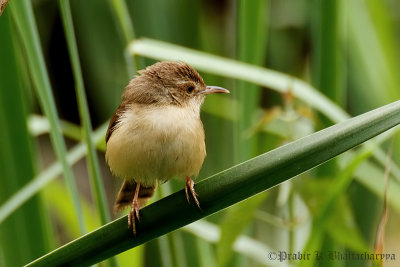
pixel 252 29
pixel 244 245
pixel 237 70
pixel 226 188
pixel 125 23
pixel 327 63
pixel 17 162
pixel 24 18
pixel 252 38
pixel 46 176
pixel 92 160
pixel 316 238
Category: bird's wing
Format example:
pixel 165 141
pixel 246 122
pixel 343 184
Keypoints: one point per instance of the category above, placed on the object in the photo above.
pixel 115 120
pixel 136 95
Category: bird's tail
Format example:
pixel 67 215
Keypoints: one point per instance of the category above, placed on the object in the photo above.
pixel 127 192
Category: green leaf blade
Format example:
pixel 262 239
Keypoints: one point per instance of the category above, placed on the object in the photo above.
pixel 227 188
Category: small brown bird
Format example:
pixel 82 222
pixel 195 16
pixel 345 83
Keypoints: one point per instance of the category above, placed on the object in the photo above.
pixel 156 133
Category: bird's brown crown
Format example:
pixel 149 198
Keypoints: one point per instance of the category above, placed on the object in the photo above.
pixel 165 82
pixel 173 71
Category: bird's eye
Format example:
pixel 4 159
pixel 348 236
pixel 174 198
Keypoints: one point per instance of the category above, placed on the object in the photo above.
pixel 190 88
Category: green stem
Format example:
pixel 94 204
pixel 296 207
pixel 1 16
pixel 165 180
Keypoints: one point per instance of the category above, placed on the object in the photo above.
pixel 93 163
pixel 125 22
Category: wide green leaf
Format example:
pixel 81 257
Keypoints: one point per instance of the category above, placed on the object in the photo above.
pixel 226 188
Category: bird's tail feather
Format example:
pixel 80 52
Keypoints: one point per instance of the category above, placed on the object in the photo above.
pixel 127 192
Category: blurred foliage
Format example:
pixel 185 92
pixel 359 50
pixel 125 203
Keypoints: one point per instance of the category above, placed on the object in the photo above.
pixel 28 225
pixel 348 49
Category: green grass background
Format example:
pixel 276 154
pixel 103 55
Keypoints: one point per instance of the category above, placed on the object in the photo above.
pixel 68 62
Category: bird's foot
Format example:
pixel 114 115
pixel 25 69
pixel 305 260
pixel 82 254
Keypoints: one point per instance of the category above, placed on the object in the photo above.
pixel 134 211
pixel 190 187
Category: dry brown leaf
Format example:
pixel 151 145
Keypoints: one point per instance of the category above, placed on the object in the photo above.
pixel 3 4
pixel 382 224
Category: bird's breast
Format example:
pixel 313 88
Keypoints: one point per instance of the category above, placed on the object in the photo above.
pixel 156 144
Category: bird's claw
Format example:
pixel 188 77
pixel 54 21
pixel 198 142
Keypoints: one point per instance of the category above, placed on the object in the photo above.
pixel 133 215
pixel 134 212
pixel 190 187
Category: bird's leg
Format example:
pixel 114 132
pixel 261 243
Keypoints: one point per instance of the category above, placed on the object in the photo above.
pixel 190 187
pixel 134 212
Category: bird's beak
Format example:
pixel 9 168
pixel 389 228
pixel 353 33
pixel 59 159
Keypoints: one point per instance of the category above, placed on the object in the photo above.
pixel 214 90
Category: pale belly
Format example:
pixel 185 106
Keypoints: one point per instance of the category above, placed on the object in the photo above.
pixel 156 146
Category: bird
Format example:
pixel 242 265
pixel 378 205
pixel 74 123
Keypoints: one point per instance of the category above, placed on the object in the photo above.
pixel 156 133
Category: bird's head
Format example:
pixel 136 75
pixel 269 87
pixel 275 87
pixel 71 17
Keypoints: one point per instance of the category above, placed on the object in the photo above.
pixel 168 82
